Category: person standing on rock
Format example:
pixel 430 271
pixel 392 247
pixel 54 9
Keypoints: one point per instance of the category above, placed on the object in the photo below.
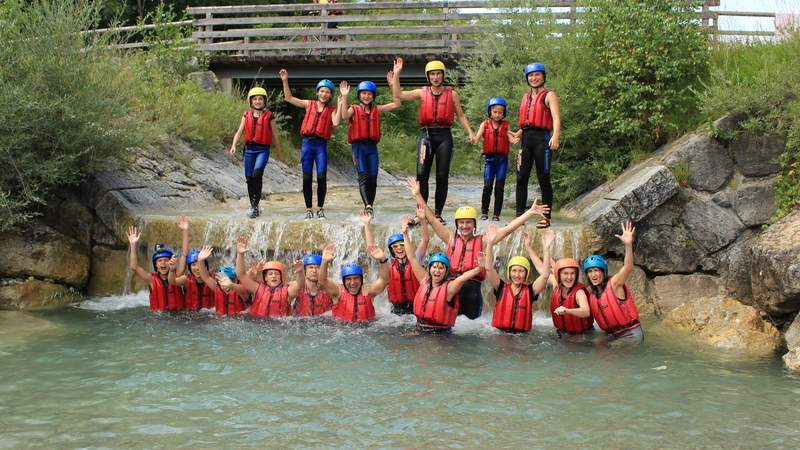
pixel 540 129
pixel 316 129
pixel 260 131
pixel 439 106
pixel 363 133
pixel 610 299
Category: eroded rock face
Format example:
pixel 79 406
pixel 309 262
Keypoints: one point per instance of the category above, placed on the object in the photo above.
pixel 726 323
pixel 737 265
pixel 33 295
pixel 792 359
pixel 754 201
pixel 710 166
pixel 44 253
pixel 669 291
pixel 775 279
pixel 792 335
pixel 756 155
pixel 711 226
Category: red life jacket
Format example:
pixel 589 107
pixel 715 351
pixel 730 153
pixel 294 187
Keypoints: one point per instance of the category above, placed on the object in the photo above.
pixel 257 130
pixel 198 295
pixel 436 111
pixel 613 315
pixel 271 302
pixel 354 308
pixel 463 256
pixel 432 308
pixel 514 312
pixel 312 305
pixel 164 296
pixel 495 140
pixel 537 116
pixel 403 286
pixel 316 123
pixel 569 323
pixel 363 126
pixel 229 304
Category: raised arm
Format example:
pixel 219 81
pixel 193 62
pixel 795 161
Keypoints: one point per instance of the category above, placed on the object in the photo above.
pixel 276 140
pixel 415 94
pixel 300 278
pixel 328 253
pixel 548 237
pixel 287 92
pixel 462 119
pixel 236 137
pixel 377 286
pixel 455 285
pixel 618 281
pixel 183 225
pixel 344 111
pixel 241 272
pixel 422 250
pixel 535 210
pixel 395 100
pixel 419 272
pixel 366 222
pixel 491 273
pixel 172 278
pixel 205 253
pixel 442 231
pixel 133 240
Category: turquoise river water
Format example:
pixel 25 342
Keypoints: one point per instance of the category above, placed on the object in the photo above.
pixel 111 374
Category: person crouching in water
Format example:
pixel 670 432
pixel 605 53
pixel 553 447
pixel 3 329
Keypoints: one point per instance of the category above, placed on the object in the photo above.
pixel 513 310
pixel 569 304
pixel 228 297
pixel 403 284
pixel 363 133
pixel 436 303
pixel 610 299
pixel 315 298
pixel 354 297
pixel 198 293
pixel 163 296
pixel 272 293
pixel 260 132
pixel 497 139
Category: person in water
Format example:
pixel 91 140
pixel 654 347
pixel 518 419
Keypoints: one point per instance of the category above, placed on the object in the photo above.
pixel 163 295
pixel 316 129
pixel 315 298
pixel 610 299
pixel 540 130
pixel 464 245
pixel 228 297
pixel 513 310
pixel 497 140
pixel 439 106
pixel 354 297
pixel 403 283
pixel 363 133
pixel 271 291
pixel 260 133
pixel 436 302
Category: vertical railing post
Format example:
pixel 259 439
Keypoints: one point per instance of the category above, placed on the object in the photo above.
pixel 323 12
pixel 209 28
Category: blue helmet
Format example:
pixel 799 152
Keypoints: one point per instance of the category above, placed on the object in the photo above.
pixel 351 269
pixel 495 101
pixel 312 259
pixel 367 86
pixel 595 261
pixel 393 239
pixel 440 258
pixel 326 83
pixel 535 67
pixel 193 257
pixel 229 272
pixel 161 252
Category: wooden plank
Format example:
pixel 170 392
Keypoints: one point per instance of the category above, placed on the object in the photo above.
pixel 342 31
pixel 300 7
pixel 372 43
pixel 744 33
pixel 743 14
pixel 339 19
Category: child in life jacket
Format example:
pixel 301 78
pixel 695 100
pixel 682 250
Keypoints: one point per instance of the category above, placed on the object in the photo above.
pixel 260 133
pixel 610 299
pixel 403 283
pixel 513 310
pixel 267 284
pixel 496 143
pixel 315 298
pixel 316 129
pixel 436 302
pixel 227 297
pixel 363 133
pixel 353 296
pixel 163 296
pixel 464 245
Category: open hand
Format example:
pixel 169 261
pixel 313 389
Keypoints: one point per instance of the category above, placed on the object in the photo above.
pixel 241 244
pixel 628 233
pixel 284 74
pixel 133 235
pixel 183 223
pixel 205 252
pixel 376 253
pixel 344 89
pixel 329 252
pixel 413 186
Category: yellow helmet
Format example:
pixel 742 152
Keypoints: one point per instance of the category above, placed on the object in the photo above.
pixel 518 261
pixel 433 65
pixel 256 91
pixel 466 212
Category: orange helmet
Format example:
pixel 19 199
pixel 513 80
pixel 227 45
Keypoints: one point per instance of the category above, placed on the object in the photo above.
pixel 276 265
pixel 565 263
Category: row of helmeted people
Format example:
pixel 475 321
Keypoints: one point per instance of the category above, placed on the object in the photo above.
pixel 448 285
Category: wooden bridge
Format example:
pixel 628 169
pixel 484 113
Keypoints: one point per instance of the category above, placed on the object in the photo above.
pixel 359 40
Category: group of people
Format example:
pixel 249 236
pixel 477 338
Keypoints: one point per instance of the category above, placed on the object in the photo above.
pixel 439 107
pixel 436 289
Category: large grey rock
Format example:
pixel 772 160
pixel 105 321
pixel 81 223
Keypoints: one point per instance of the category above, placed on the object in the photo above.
pixel 67 215
pixel 729 123
pixel 710 165
pixel 754 201
pixel 33 295
pixel 711 226
pixel 756 155
pixel 110 273
pixel 776 260
pixel 792 335
pixel 736 268
pixel 669 291
pixel 206 79
pixel 639 285
pixel 666 249
pixel 792 359
pixel 44 253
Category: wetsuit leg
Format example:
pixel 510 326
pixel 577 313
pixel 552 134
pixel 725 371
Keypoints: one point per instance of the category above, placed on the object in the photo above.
pixel 307 165
pixel 372 162
pixel 541 155
pixel 321 159
pixel 258 177
pixel 500 184
pixel 470 299
pixel 524 173
pixel 424 168
pixel 442 142
pixel 489 163
pixel 365 157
